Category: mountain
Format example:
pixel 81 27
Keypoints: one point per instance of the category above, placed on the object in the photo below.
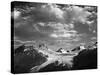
pixel 78 48
pixel 61 50
pixel 20 49
pixel 29 58
pixel 93 46
pixel 25 60
pixel 86 59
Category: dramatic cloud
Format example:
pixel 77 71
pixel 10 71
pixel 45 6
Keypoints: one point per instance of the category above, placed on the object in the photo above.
pixel 57 24
pixel 54 10
pixel 76 14
pixel 16 14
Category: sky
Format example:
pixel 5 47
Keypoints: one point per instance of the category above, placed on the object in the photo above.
pixel 56 25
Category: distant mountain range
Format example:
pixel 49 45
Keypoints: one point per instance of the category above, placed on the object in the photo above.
pixel 29 58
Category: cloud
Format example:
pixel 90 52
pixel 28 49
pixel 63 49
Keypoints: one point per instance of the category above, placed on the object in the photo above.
pixel 60 35
pixel 53 22
pixel 76 14
pixel 59 25
pixel 42 27
pixel 62 30
pixel 82 43
pixel 54 27
pixel 54 35
pixel 66 15
pixel 45 13
pixel 91 8
pixel 53 9
pixel 94 38
pixel 26 31
pixel 53 13
pixel 92 20
pixel 92 26
pixel 68 34
pixel 94 31
pixel 16 14
pixel 17 42
pixel 41 24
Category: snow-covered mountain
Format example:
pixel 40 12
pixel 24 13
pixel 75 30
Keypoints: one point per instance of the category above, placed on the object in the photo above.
pixel 29 58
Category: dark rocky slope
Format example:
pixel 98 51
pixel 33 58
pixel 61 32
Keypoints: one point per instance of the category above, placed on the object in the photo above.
pixel 86 59
pixel 23 62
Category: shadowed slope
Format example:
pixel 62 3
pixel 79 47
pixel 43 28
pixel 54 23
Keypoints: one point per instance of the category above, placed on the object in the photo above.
pixel 26 60
pixel 86 59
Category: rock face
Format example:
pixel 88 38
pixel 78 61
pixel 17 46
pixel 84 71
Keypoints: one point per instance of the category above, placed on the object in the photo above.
pixel 31 59
pixel 20 49
pixel 86 59
pixel 61 50
pixel 78 48
pixel 24 61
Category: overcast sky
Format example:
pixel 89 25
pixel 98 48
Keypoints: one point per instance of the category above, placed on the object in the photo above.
pixel 57 25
